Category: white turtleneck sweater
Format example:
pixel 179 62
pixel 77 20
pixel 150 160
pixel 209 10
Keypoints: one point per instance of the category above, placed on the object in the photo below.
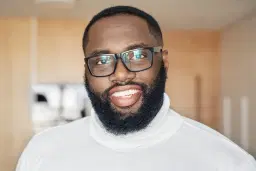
pixel 170 143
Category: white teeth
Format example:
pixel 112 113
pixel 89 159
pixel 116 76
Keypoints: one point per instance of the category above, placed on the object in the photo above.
pixel 126 93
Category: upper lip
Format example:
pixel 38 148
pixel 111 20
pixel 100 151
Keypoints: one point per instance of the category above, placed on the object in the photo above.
pixel 123 88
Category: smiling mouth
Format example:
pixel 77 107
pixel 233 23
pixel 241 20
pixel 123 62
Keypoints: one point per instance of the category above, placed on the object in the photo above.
pixel 125 96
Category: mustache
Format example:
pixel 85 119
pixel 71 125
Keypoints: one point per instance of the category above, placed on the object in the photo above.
pixel 105 94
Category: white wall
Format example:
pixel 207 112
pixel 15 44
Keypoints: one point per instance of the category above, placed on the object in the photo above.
pixel 238 71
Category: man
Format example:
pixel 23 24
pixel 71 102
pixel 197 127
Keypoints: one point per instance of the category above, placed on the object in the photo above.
pixel 131 127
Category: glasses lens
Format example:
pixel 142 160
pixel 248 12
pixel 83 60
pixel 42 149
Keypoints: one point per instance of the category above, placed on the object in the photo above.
pixel 137 60
pixel 102 65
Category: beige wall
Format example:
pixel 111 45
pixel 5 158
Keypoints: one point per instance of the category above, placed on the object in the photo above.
pixel 194 75
pixel 52 53
pixel 238 58
pixel 60 55
pixel 15 127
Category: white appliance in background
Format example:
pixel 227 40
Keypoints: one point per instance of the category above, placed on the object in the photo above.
pixel 73 101
pixel 61 104
pixel 43 116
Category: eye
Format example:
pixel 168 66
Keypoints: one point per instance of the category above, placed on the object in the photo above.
pixel 140 56
pixel 133 55
pixel 137 55
pixel 103 60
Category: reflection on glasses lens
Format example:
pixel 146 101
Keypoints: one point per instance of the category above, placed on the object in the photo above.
pixel 137 60
pixel 102 65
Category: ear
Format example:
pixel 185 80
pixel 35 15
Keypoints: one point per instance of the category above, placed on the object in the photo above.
pixel 165 59
pixel 85 70
pixel 85 67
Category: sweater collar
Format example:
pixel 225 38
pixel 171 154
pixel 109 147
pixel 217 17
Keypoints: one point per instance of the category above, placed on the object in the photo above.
pixel 164 125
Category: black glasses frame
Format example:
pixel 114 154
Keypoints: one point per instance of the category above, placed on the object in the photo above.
pixel 120 56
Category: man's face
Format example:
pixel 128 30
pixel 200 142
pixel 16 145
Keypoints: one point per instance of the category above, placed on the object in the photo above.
pixel 125 101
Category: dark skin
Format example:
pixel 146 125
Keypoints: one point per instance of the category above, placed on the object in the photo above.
pixel 117 34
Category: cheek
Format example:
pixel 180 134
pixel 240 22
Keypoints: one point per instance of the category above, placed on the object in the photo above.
pixel 99 85
pixel 148 76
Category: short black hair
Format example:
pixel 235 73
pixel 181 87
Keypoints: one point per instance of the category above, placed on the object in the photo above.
pixel 153 25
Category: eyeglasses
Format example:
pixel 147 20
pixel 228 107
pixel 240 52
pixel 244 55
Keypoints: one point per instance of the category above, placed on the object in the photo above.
pixel 135 60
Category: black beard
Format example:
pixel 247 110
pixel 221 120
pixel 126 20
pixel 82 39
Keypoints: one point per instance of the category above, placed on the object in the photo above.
pixel 152 102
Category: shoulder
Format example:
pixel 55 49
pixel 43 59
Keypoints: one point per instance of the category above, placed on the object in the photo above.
pixel 248 164
pixel 63 133
pixel 53 140
pixel 210 141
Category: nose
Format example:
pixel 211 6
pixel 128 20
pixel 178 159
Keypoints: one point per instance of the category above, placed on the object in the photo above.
pixel 121 74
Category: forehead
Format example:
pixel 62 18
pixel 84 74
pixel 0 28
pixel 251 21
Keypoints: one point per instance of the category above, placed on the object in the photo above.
pixel 118 32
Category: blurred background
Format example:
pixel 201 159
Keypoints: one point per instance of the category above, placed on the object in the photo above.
pixel 212 51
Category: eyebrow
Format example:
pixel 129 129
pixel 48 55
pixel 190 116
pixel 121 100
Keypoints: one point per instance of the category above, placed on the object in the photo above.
pixel 107 51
